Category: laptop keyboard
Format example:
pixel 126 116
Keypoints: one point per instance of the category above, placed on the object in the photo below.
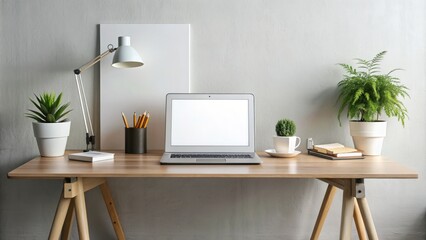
pixel 174 155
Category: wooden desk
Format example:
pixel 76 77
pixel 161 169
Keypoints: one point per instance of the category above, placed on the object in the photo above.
pixel 80 177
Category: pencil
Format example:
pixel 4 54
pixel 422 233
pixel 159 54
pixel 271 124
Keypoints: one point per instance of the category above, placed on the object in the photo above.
pixel 142 120
pixel 138 123
pixel 146 121
pixel 134 119
pixel 124 120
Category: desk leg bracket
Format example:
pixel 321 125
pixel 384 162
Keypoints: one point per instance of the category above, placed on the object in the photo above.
pixel 358 188
pixel 70 187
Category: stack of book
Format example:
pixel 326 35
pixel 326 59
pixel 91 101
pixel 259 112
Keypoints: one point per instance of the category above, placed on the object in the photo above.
pixel 335 151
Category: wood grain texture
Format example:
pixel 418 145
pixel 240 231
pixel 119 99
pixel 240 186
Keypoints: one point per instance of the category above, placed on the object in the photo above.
pixel 81 212
pixel 347 213
pixel 60 215
pixel 359 222
pixel 148 165
pixel 368 219
pixel 322 215
pixel 67 227
pixel 109 203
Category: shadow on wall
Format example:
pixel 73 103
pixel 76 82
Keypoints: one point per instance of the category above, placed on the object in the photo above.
pixel 323 123
pixel 417 229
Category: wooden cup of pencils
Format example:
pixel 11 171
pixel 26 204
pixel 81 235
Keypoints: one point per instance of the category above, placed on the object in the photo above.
pixel 135 137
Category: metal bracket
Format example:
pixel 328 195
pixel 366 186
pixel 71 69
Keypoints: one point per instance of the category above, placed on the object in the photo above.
pixel 70 179
pixel 358 188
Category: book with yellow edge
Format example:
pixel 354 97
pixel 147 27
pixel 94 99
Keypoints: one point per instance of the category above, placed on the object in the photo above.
pixel 323 148
pixel 337 150
pixel 341 150
pixel 333 157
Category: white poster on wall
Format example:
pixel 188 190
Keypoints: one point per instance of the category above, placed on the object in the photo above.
pixel 164 49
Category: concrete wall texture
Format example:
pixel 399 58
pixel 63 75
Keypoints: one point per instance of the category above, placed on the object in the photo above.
pixel 285 52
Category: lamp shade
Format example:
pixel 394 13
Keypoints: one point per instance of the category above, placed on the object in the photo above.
pixel 125 56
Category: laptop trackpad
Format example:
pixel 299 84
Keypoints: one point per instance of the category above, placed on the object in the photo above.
pixel 210 160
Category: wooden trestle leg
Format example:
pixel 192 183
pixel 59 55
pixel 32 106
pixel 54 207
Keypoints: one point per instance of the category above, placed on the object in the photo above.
pixel 72 199
pixel 354 205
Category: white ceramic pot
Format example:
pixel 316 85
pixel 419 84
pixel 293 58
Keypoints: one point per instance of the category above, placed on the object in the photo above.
pixel 368 136
pixel 286 144
pixel 51 138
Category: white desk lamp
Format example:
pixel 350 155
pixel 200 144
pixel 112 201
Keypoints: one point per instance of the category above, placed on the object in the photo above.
pixel 125 57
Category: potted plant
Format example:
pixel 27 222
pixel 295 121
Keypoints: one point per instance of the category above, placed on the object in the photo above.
pixel 365 94
pixel 51 128
pixel 285 141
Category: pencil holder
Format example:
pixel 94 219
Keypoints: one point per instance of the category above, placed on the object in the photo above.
pixel 135 140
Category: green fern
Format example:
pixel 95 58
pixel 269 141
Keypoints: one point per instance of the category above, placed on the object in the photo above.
pixel 366 94
pixel 49 108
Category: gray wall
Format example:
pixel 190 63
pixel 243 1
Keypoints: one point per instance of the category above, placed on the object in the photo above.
pixel 285 52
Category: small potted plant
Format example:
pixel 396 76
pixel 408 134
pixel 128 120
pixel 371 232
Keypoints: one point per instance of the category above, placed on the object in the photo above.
pixel 365 94
pixel 285 141
pixel 51 128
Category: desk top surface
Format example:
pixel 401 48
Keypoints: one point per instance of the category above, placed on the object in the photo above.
pixel 148 165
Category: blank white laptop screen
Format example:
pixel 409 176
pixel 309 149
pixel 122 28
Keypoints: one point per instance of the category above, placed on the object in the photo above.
pixel 210 122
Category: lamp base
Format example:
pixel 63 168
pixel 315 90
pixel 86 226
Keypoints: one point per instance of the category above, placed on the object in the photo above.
pixel 90 140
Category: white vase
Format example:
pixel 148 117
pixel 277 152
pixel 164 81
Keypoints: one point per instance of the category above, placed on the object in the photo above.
pixel 368 136
pixel 51 138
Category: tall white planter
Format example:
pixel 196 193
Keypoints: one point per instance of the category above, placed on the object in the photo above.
pixel 51 138
pixel 368 136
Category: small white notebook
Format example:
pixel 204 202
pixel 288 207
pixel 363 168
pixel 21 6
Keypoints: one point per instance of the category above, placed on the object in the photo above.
pixel 91 156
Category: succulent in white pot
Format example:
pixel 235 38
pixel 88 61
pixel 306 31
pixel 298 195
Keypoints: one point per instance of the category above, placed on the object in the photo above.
pixel 285 141
pixel 366 94
pixel 51 128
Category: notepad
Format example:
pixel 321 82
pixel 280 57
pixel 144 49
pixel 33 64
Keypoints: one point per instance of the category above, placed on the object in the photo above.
pixel 91 156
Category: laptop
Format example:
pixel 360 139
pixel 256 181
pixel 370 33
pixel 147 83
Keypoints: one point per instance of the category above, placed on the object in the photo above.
pixel 209 129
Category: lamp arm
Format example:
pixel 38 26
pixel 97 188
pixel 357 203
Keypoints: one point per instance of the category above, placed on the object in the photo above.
pixel 90 135
pixel 92 62
pixel 90 138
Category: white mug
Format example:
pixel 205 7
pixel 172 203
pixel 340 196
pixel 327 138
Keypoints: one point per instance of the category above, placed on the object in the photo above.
pixel 286 144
